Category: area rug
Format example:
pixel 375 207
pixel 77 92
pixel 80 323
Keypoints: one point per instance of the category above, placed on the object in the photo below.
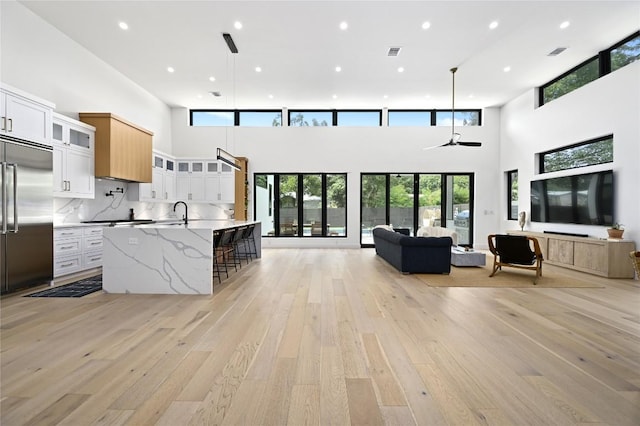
pixel 478 276
pixel 75 289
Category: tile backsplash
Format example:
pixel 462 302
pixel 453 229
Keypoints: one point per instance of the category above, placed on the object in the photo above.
pixel 103 207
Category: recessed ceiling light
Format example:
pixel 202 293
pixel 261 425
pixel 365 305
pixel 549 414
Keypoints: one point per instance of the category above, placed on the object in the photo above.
pixel 426 25
pixel 344 25
pixel 471 95
pixel 385 96
pixel 493 25
pixel 212 78
pixel 338 69
pixel 270 96
pixel 170 69
pixel 335 96
pixel 199 96
pixel 237 25
pixel 123 25
pixel 258 69
pixel 400 69
pixel 564 25
pixel 507 69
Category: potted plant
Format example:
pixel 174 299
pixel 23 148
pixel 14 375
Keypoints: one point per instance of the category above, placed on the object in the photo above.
pixel 616 231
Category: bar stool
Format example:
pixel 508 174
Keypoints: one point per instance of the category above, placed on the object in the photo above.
pixel 237 238
pixel 249 243
pixel 227 248
pixel 217 272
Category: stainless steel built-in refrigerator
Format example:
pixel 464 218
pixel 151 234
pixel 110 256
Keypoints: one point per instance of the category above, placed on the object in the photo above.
pixel 26 240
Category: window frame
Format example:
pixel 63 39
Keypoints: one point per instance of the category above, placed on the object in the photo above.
pixel 541 155
pixel 233 111
pixel 416 200
pixel 258 111
pixel 583 64
pixel 511 215
pixel 295 111
pixel 604 67
pixel 338 111
pixel 429 111
pixel 434 116
pixel 300 204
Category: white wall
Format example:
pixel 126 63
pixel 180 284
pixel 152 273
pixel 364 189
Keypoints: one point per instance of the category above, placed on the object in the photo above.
pixel 609 105
pixel 355 150
pixel 39 59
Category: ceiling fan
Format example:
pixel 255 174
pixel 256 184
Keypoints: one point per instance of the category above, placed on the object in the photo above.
pixel 455 137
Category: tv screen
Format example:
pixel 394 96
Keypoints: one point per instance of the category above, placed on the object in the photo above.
pixel 585 199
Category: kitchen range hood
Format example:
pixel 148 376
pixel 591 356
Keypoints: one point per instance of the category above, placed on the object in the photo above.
pixel 122 149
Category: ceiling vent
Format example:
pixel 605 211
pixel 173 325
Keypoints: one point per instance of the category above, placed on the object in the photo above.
pixel 394 51
pixel 557 51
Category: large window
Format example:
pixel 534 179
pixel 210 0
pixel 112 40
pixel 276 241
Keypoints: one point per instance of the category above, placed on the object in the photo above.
pixel 611 59
pixel 589 153
pixel 570 81
pixel 413 200
pixel 299 118
pixel 626 52
pixel 460 118
pixel 359 118
pixel 512 196
pixel 260 118
pixel 301 204
pixel 212 117
pixel 397 118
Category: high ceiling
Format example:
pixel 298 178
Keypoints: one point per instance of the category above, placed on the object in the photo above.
pixel 298 45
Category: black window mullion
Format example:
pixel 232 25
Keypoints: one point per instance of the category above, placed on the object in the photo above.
pixel 387 200
pixel 323 210
pixel 416 202
pixel 276 204
pixel 300 202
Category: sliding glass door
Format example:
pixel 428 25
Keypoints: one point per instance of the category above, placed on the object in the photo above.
pixel 413 200
pixel 301 204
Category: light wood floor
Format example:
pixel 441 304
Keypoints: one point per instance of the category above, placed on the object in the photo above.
pixel 326 337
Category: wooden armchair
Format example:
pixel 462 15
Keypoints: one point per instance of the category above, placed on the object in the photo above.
pixel 515 251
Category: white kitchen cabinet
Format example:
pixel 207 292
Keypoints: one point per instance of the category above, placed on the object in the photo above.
pixel 76 249
pixel 163 181
pixel 190 180
pixel 219 183
pixel 73 158
pixel 25 116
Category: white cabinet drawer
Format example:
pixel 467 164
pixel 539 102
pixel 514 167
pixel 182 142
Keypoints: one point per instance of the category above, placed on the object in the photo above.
pixel 92 260
pixel 92 230
pixel 61 233
pixel 67 246
pixel 92 243
pixel 66 265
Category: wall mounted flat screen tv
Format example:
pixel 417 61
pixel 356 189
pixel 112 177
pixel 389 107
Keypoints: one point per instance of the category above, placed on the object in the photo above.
pixel 585 199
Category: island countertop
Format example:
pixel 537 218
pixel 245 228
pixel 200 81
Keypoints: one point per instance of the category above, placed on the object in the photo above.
pixel 164 258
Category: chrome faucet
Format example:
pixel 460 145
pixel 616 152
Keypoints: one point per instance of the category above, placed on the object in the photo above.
pixel 186 215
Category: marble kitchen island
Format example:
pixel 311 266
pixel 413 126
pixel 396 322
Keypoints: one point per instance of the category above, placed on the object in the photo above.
pixel 163 258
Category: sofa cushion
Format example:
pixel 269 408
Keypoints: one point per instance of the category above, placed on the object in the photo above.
pixel 438 231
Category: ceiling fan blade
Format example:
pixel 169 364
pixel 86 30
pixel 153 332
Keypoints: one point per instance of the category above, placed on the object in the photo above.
pixel 470 143
pixel 426 148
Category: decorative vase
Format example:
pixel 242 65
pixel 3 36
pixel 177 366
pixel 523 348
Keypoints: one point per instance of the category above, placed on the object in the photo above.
pixel 522 220
pixel 615 233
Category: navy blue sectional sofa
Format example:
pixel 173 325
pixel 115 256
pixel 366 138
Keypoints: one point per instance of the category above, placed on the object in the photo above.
pixel 430 255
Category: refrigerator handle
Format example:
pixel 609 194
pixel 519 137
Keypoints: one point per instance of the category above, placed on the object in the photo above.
pixel 15 196
pixel 3 166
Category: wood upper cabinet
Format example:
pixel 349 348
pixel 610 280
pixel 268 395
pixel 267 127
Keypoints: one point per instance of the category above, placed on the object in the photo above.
pixel 122 149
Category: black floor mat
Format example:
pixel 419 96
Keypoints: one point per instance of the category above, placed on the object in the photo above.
pixel 75 289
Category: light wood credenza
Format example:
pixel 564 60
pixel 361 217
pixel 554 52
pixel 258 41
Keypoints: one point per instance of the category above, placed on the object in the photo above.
pixel 607 258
